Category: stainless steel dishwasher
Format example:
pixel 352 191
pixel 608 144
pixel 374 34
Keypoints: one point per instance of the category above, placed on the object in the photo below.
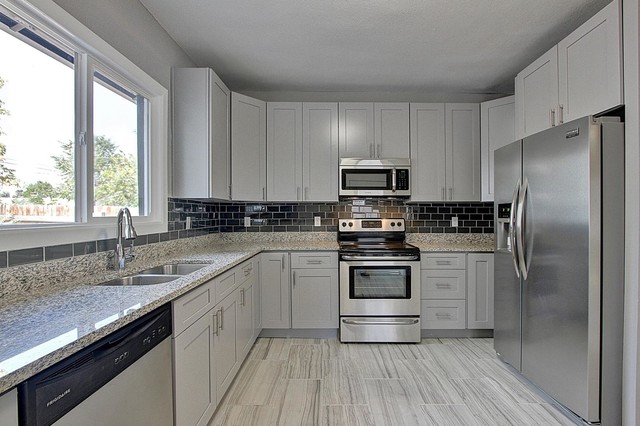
pixel 123 379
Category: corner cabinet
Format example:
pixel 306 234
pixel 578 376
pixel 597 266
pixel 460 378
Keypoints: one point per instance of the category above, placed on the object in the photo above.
pixel 248 148
pixel 9 408
pixel 201 134
pixel 497 129
pixel 302 151
pixel 581 75
pixel 369 130
pixel 445 152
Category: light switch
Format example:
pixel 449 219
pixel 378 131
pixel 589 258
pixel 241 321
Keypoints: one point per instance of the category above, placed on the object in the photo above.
pixel 454 221
pixel 316 221
pixel 247 221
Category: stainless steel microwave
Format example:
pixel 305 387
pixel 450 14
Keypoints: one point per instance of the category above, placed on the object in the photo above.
pixel 364 177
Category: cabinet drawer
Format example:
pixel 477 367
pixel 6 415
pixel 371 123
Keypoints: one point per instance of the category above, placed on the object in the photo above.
pixel 443 261
pixel 245 271
pixel 226 283
pixel 443 314
pixel 314 260
pixel 188 308
pixel 443 284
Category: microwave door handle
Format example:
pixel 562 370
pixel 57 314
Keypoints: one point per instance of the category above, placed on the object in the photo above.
pixel 393 180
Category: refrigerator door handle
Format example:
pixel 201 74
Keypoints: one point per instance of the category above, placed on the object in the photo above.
pixel 512 228
pixel 520 228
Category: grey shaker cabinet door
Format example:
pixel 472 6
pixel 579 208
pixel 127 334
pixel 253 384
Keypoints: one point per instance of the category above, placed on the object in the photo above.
pixel 320 151
pixel 497 129
pixel 276 302
pixel 284 151
pixel 427 152
pixel 314 298
pixel 480 280
pixel 356 129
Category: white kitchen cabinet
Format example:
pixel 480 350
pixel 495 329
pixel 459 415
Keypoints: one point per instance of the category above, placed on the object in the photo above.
pixel 443 295
pixel 356 129
pixel 201 134
pixel 537 95
pixel 320 151
pixel 445 152
pixel 9 408
pixel 427 152
pixel 314 290
pixel 480 290
pixel 195 396
pixel 443 314
pixel 590 66
pixel 244 300
pixel 257 299
pixel 302 154
pixel 276 296
pixel 226 359
pixel 497 129
pixel 284 151
pixel 391 135
pixel 248 148
pixel 581 75
pixel 370 130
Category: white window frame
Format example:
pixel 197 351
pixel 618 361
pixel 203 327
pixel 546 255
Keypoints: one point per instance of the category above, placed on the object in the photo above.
pixel 94 54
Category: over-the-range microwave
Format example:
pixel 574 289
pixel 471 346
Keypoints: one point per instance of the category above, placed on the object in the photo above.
pixel 365 177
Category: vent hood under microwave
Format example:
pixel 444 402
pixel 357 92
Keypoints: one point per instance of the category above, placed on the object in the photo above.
pixel 366 177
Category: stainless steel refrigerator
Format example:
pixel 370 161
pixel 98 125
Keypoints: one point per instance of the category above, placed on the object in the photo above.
pixel 559 263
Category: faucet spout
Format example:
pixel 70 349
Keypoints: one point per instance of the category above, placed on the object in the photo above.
pixel 124 231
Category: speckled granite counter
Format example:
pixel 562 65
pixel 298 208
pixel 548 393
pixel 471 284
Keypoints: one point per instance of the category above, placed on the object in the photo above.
pixel 51 310
pixel 453 242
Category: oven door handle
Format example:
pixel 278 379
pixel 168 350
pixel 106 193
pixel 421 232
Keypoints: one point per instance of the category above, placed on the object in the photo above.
pixel 409 321
pixel 351 257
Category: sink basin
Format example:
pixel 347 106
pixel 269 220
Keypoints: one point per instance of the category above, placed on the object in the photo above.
pixel 174 269
pixel 141 280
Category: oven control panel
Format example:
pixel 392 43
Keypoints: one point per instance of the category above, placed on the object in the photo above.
pixel 371 225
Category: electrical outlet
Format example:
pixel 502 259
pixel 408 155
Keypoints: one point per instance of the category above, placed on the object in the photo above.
pixel 316 221
pixel 188 225
pixel 454 221
pixel 247 221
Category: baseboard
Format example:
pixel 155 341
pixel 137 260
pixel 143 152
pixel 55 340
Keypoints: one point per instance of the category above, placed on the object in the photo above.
pixel 456 333
pixel 301 333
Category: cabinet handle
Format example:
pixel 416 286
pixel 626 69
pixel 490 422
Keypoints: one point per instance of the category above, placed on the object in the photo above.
pixel 450 194
pixel 442 316
pixel 561 112
pixel 443 194
pixel 314 262
pixel 553 117
pixel 443 285
pixel 221 318
pixel 229 191
pixel 283 262
pixel 242 297
pixel 298 193
pixel 443 262
pixel 379 150
pixel 264 198
pixel 215 324
pixel 306 193
pixel 371 151
pixel 294 279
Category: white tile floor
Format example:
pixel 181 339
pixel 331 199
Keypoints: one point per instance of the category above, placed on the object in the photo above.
pixel 324 382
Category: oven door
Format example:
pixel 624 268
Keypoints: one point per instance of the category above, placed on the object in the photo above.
pixel 380 288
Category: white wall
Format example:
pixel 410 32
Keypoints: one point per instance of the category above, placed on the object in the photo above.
pixel 129 27
pixel 631 355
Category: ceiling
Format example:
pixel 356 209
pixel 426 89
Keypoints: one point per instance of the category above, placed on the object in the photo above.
pixel 453 46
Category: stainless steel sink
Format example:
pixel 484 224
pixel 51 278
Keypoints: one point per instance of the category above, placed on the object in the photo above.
pixel 141 280
pixel 174 269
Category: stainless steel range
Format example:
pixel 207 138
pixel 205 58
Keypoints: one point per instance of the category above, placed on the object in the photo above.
pixel 379 282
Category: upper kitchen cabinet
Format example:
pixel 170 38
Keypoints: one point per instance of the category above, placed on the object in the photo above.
pixel 248 148
pixel 497 129
pixel 284 151
pixel 201 134
pixel 445 152
pixel 580 76
pixel 302 160
pixel 370 130
pixel 590 66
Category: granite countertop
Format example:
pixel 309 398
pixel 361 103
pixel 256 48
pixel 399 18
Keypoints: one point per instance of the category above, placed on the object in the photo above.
pixel 51 310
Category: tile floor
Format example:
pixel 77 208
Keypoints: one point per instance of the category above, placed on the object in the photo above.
pixel 323 382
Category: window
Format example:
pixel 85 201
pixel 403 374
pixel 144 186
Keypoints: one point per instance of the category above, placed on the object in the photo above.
pixel 82 130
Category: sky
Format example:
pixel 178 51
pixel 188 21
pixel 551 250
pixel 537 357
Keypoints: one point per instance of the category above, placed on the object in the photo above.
pixel 39 95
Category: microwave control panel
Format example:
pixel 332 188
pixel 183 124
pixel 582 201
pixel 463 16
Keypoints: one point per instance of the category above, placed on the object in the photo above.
pixel 402 179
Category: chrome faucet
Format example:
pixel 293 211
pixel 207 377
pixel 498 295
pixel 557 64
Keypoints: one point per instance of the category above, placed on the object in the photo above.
pixel 126 231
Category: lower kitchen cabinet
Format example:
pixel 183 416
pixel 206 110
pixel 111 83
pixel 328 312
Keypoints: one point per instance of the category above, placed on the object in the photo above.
pixel 480 290
pixel 274 278
pixel 244 300
pixel 194 373
pixel 9 408
pixel 257 299
pixel 314 298
pixel 224 343
pixel 457 291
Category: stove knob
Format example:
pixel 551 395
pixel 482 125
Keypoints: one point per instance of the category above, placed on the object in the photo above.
pixel 344 224
pixel 393 224
pixel 350 224
pixel 399 224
